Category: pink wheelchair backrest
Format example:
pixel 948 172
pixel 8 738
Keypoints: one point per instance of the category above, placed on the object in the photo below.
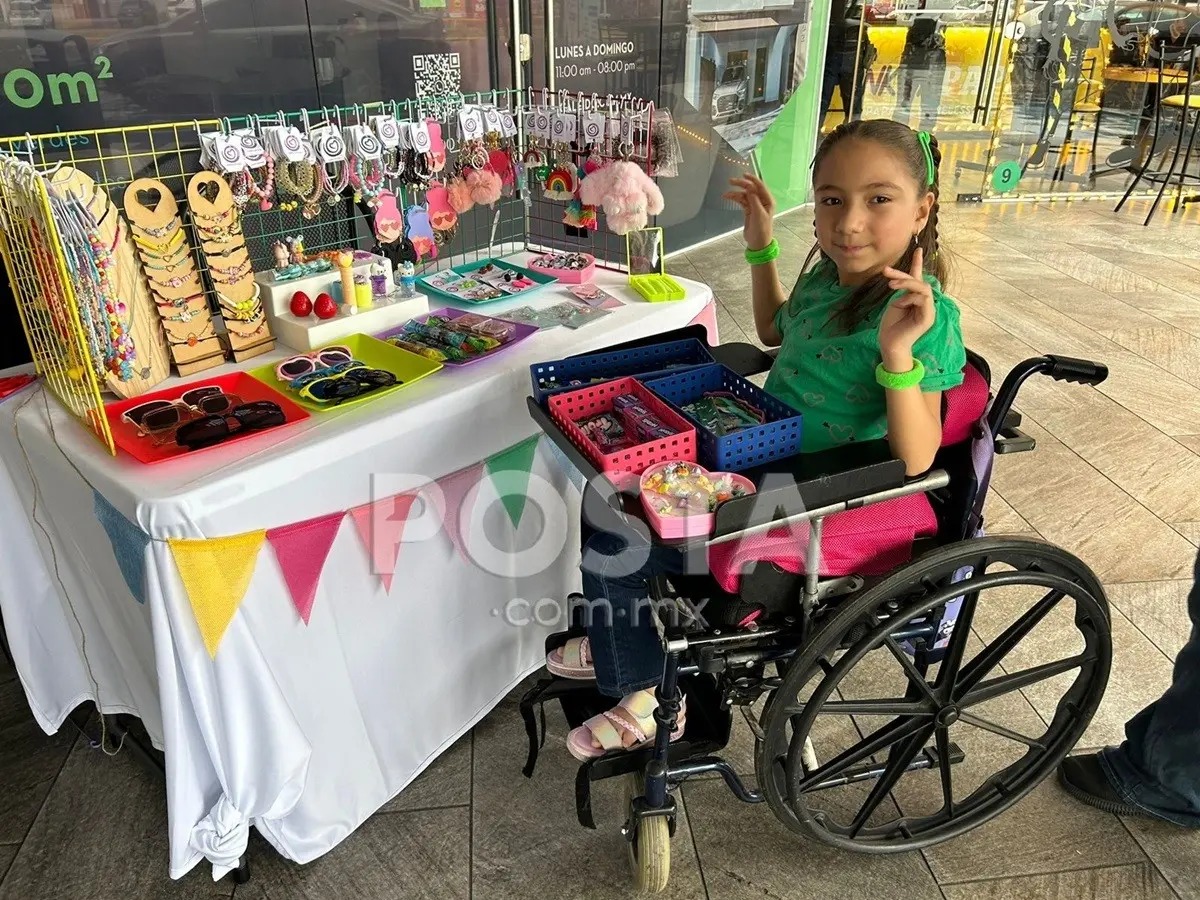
pixel 869 540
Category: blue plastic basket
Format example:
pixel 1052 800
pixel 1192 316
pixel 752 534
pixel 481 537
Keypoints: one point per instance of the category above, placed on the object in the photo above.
pixel 777 438
pixel 550 378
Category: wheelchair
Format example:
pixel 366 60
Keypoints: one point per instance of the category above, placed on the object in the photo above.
pixel 892 695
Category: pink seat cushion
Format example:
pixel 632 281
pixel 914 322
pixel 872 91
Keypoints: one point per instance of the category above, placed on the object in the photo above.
pixel 870 540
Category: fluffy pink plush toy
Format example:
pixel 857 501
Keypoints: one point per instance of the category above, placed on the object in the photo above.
pixel 626 193
pixel 485 186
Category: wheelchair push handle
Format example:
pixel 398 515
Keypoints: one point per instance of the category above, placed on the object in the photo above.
pixel 1077 371
pixel 1060 368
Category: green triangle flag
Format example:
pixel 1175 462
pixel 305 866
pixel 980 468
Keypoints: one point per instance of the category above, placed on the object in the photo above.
pixel 518 459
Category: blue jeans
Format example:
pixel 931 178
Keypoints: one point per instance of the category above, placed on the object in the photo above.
pixel 626 649
pixel 1157 766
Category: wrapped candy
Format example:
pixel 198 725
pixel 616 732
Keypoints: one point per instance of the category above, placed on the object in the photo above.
pixel 684 489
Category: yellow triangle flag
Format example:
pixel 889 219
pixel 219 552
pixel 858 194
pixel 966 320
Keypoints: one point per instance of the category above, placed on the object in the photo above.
pixel 216 574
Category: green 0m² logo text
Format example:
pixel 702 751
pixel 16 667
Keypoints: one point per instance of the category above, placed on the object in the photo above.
pixel 27 89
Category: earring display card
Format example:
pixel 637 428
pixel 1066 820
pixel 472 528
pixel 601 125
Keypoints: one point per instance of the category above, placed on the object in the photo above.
pixel 594 296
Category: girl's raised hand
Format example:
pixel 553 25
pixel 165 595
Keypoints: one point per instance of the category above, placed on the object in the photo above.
pixel 909 316
pixel 758 206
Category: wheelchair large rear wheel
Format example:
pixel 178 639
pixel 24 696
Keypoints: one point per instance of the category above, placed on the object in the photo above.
pixel 926 725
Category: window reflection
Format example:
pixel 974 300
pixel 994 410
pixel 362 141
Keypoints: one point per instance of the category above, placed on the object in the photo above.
pixel 105 63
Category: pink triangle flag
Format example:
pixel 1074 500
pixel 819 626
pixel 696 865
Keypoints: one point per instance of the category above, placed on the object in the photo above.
pixel 302 549
pixel 381 525
pixel 457 497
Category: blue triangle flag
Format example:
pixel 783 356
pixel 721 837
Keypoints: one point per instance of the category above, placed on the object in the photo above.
pixel 572 473
pixel 128 543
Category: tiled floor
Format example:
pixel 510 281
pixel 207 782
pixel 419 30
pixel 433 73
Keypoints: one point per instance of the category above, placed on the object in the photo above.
pixel 1115 479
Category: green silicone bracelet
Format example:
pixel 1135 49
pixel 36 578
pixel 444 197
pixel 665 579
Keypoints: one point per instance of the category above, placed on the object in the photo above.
pixel 767 254
pixel 899 381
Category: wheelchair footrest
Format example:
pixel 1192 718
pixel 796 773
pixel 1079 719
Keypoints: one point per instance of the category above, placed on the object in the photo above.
pixel 707 731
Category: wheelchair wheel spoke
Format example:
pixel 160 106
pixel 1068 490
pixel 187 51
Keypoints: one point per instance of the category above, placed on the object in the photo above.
pixel 1006 684
pixel 875 708
pixel 944 765
pixel 1000 730
pixel 898 759
pixel 952 662
pixel 991 655
pixel 877 740
pixel 915 678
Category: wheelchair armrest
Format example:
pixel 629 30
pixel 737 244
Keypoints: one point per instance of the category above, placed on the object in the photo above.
pixel 1013 440
pixel 811 481
pixel 744 359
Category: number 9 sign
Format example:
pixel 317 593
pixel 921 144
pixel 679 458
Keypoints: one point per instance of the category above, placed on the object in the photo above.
pixel 1005 177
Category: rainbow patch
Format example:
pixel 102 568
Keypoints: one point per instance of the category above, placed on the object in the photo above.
pixel 560 184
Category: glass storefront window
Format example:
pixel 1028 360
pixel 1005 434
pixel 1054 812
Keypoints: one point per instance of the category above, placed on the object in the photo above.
pixel 1029 98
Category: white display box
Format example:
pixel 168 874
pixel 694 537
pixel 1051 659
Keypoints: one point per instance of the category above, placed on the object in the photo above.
pixel 310 332
pixel 277 295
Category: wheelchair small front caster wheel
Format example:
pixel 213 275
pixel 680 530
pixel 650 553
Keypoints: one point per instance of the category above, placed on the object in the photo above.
pixel 649 847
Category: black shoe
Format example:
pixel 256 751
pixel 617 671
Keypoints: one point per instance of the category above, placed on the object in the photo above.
pixel 1083 778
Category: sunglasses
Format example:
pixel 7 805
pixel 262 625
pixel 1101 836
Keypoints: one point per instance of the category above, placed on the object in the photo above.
pixel 158 418
pixel 299 383
pixel 338 388
pixel 211 430
pixel 306 363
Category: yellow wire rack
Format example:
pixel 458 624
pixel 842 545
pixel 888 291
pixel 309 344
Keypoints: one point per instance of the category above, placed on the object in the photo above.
pixel 32 250
pixel 45 296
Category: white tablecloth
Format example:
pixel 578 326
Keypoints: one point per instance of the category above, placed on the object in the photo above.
pixel 302 731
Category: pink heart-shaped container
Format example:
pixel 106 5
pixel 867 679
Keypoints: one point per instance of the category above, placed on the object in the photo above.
pixel 689 525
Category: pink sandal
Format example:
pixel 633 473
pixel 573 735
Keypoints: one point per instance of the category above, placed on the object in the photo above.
pixel 634 714
pixel 572 660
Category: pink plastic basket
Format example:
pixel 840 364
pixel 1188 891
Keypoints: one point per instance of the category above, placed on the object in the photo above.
pixel 696 526
pixel 568 408
pixel 567 276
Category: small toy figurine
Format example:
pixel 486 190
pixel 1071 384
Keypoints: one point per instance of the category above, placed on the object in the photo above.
pixel 296 246
pixel 282 256
pixel 408 280
pixel 378 280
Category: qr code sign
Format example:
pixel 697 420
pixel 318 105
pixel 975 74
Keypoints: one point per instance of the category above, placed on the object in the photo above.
pixel 438 78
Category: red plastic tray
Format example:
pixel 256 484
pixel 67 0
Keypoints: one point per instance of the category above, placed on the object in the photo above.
pixel 569 407
pixel 144 449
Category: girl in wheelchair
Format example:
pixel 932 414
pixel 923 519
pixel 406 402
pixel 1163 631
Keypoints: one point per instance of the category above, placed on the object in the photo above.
pixel 868 341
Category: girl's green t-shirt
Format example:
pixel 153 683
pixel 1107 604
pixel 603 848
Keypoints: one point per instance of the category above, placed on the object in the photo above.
pixel 829 377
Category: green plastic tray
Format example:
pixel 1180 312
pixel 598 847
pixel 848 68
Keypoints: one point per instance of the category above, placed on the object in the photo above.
pixel 657 288
pixel 465 268
pixel 407 367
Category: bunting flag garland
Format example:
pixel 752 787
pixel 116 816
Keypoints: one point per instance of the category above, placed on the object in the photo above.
pixel 519 460
pixel 381 526
pixel 573 474
pixel 458 492
pixel 302 549
pixel 128 544
pixel 216 574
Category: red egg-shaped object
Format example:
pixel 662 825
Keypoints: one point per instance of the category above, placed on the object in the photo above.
pixel 325 308
pixel 301 305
